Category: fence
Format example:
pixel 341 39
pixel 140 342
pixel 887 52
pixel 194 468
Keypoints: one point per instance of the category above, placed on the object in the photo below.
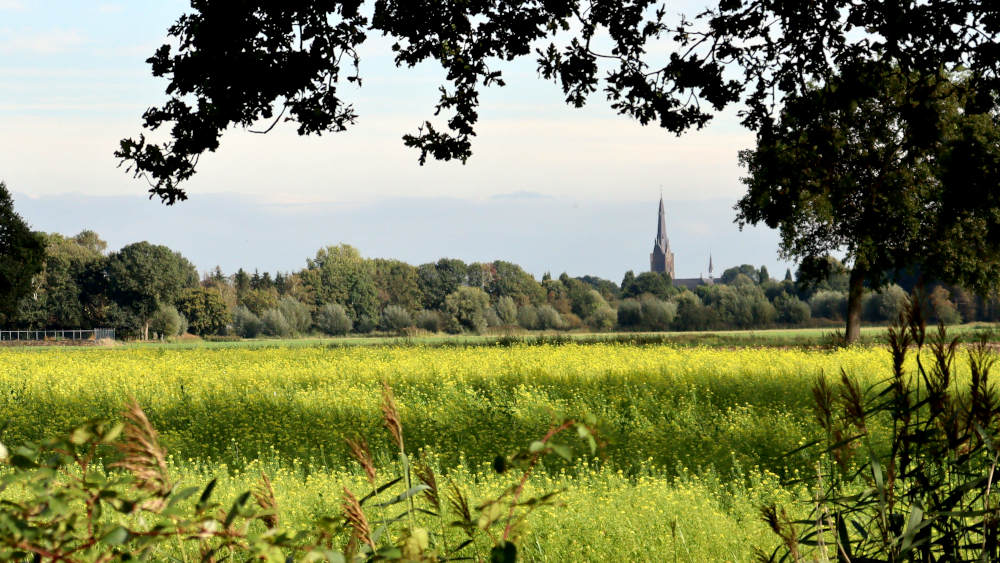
pixel 30 335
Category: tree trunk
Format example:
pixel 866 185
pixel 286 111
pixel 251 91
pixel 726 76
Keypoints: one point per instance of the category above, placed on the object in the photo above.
pixel 855 291
pixel 145 330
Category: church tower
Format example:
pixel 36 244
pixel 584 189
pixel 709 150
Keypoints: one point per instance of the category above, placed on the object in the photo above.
pixel 661 259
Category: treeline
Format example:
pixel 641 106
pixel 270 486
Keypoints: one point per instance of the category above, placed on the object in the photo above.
pixel 145 290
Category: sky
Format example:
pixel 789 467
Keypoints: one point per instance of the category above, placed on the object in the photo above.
pixel 550 187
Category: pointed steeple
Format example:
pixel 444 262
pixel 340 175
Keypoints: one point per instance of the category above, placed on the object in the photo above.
pixel 711 270
pixel 661 259
pixel 661 229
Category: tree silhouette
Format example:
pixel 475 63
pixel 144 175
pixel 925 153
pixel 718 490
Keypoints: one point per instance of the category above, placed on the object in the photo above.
pixel 838 172
pixel 22 253
pixel 237 64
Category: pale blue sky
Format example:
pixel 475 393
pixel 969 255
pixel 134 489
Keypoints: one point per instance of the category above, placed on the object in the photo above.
pixel 73 81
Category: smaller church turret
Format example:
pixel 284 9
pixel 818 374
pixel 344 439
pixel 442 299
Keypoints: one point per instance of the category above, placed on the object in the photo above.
pixel 662 259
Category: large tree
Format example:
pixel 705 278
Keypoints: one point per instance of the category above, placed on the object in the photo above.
pixel 237 64
pixel 22 253
pixel 143 277
pixel 837 172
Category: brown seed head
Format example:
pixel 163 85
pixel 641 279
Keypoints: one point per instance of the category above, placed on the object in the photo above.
pixel 360 530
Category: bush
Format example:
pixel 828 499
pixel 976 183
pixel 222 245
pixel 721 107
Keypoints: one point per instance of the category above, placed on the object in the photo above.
pixel 629 314
pixel 296 314
pixel 204 309
pixel 245 323
pixel 942 308
pixel 527 317
pixel 602 319
pixel 692 314
pixel 275 324
pixel 829 304
pixel 333 319
pixel 507 310
pixel 549 318
pixel 656 314
pixel 468 306
pixel 885 304
pixel 791 309
pixel 365 325
pixel 492 318
pixel 429 321
pixel 396 318
pixel 166 322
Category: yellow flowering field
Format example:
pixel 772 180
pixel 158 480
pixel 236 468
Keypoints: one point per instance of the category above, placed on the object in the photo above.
pixel 696 437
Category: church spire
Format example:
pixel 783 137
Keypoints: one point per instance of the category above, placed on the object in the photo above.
pixel 710 269
pixel 661 229
pixel 661 259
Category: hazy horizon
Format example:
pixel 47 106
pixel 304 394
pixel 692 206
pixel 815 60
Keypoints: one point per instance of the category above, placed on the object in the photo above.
pixel 540 233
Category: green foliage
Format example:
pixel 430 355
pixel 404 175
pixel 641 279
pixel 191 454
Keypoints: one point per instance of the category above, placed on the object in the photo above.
pixel 602 319
pixel 629 314
pixel 527 317
pixel 339 274
pixel 333 319
pixel 507 310
pixel 886 304
pixel 398 283
pixel 549 318
pixel 245 323
pixel 67 507
pixel 166 322
pixel 828 304
pixel 791 309
pixel 142 277
pixel 396 318
pixel 656 314
pixel 429 321
pixel 296 313
pixel 926 495
pixel 657 284
pixel 274 323
pixel 204 310
pixel 468 306
pixel 692 314
pixel 22 254
pixel 730 274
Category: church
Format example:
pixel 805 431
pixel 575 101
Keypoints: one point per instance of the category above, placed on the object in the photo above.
pixel 661 260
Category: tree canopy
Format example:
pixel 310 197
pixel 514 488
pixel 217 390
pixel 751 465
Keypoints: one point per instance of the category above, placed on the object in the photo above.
pixel 838 172
pixel 22 254
pixel 238 64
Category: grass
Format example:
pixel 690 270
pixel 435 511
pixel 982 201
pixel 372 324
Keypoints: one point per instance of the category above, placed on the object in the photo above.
pixel 778 337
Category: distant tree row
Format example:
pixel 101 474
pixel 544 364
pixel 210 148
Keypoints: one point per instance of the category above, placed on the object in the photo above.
pixel 145 291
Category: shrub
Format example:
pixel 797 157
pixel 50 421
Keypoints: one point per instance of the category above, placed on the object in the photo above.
pixel 296 314
pixel 656 314
pixel 429 320
pixel 629 314
pixel 791 309
pixel 396 318
pixel 166 322
pixel 527 317
pixel 142 514
pixel 549 318
pixel 885 305
pixel 245 323
pixel 332 319
pixel 829 304
pixel 602 319
pixel 365 325
pixel 275 324
pixel 507 310
pixel 204 309
pixel 492 318
pixel 924 492
pixel 468 306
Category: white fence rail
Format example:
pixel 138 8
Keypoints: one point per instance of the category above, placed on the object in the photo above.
pixel 34 335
